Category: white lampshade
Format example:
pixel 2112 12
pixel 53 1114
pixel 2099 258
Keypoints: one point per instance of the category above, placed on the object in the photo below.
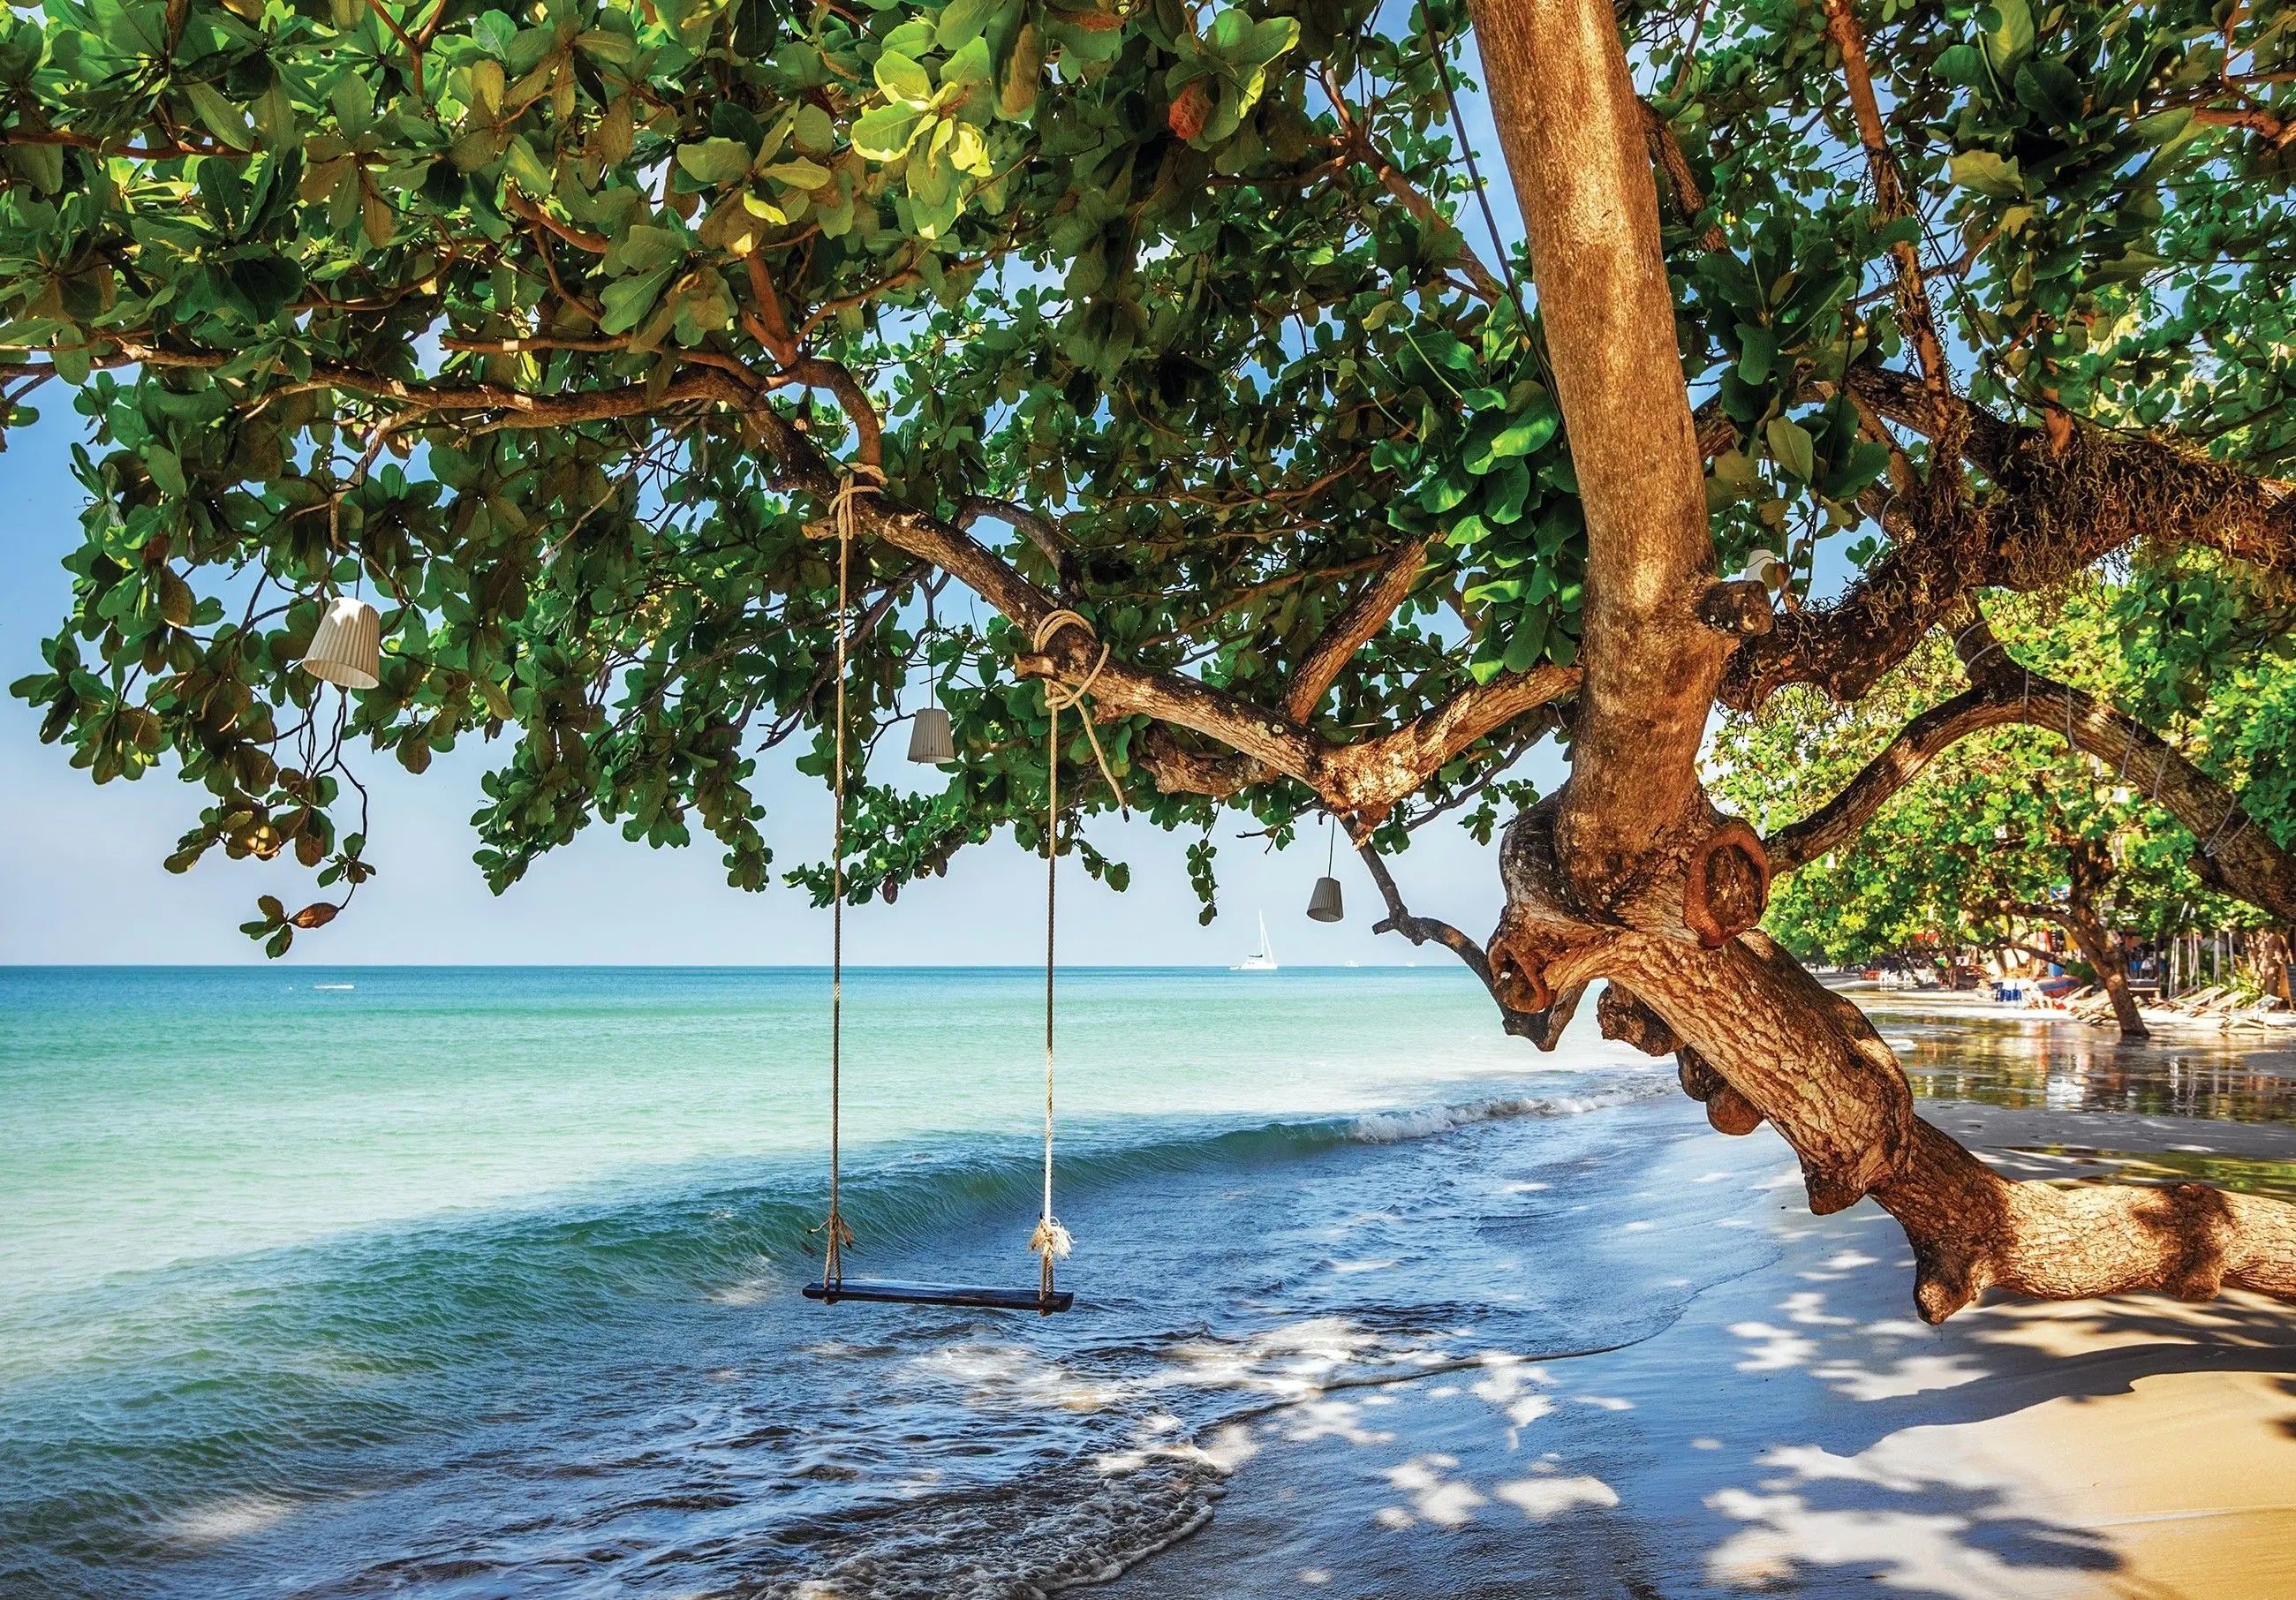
pixel 928 738
pixel 347 648
pixel 1763 567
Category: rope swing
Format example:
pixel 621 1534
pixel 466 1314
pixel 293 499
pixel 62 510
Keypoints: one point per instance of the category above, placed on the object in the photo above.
pixel 1051 1241
pixel 835 1235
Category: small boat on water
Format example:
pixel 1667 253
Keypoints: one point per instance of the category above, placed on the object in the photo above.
pixel 1262 959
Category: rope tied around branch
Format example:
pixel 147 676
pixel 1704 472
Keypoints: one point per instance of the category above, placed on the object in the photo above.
pixel 1059 697
pixel 836 1236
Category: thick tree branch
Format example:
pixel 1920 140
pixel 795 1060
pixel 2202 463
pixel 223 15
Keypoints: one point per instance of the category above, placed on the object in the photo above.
pixel 2237 857
pixel 2054 507
pixel 1354 628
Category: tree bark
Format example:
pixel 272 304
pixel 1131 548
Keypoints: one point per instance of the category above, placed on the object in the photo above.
pixel 1571 128
pixel 2102 951
pixel 1808 1061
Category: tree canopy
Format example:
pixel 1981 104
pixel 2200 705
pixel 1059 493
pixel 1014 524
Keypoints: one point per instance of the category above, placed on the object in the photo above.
pixel 556 329
pixel 2005 826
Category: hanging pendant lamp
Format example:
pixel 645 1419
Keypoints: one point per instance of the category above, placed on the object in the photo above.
pixel 1324 900
pixel 930 745
pixel 347 649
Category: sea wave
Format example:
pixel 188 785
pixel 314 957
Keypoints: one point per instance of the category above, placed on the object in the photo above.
pixel 904 1198
pixel 927 1455
pixel 1389 1127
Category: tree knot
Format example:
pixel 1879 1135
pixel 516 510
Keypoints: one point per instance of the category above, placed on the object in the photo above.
pixel 1728 885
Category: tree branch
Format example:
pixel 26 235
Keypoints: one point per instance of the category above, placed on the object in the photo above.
pixel 1354 628
pixel 2055 507
pixel 1688 198
pixel 2237 857
pixel 1571 125
pixel 1889 195
pixel 1365 777
pixel 1537 1026
pixel 1037 528
pixel 1358 142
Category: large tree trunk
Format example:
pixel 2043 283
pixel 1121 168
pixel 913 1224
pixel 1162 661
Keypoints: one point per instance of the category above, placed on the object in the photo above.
pixel 1628 872
pixel 1572 130
pixel 2102 952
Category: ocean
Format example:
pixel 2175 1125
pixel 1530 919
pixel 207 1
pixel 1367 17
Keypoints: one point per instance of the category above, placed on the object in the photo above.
pixel 485 1282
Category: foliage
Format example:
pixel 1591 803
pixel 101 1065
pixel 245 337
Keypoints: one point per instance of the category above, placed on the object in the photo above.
pixel 429 299
pixel 2001 820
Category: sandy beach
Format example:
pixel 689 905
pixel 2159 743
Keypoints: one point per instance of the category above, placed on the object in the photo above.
pixel 1798 1430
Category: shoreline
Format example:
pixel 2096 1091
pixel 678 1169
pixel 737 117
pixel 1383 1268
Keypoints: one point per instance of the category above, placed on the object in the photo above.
pixel 1797 1428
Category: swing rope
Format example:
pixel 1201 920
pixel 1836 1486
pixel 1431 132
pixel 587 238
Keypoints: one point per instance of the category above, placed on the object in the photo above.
pixel 835 1235
pixel 1052 1241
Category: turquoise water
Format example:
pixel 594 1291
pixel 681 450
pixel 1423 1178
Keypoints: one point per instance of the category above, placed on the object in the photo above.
pixel 484 1282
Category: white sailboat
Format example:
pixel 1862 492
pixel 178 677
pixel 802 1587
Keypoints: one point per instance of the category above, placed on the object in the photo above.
pixel 1262 959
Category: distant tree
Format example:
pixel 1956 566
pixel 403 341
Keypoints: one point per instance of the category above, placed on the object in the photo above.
pixel 577 333
pixel 2003 830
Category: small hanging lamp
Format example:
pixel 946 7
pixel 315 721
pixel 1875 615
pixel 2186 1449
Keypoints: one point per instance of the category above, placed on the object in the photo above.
pixel 1764 567
pixel 347 649
pixel 1324 900
pixel 929 743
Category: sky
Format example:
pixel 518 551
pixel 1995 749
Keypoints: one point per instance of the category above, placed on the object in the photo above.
pixel 80 879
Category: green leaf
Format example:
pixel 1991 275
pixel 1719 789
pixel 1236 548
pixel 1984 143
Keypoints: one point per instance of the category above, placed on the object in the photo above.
pixel 1790 446
pixel 627 301
pixel 1965 65
pixel 884 133
pixel 166 470
pixel 715 162
pixel 2008 27
pixel 645 248
pixel 903 81
pixel 798 174
pixel 218 116
pixel 2049 91
pixel 961 21
pixel 1988 174
pixel 1757 348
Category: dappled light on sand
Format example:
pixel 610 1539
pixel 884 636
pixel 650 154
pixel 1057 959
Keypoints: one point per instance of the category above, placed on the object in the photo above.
pixel 1795 1431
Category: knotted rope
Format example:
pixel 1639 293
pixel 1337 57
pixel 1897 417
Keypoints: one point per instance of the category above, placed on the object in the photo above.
pixel 835 1235
pixel 1059 697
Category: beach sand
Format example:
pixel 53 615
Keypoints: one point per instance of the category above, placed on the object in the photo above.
pixel 1799 1430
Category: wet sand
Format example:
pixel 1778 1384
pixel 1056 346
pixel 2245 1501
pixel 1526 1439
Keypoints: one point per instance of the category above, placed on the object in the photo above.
pixel 1799 1430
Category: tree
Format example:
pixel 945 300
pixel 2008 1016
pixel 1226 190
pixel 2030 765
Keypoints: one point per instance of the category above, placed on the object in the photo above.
pixel 2004 829
pixel 598 342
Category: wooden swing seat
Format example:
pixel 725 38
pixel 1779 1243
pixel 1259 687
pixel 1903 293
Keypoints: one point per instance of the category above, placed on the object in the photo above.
pixel 897 1292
